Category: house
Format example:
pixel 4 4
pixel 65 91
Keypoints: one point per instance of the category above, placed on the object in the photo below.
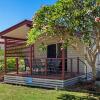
pixel 51 68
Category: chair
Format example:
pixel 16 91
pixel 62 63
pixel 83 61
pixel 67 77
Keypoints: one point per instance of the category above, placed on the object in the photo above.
pixel 26 61
pixel 53 65
pixel 38 67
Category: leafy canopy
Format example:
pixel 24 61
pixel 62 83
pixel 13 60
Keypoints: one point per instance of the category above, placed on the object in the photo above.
pixel 76 18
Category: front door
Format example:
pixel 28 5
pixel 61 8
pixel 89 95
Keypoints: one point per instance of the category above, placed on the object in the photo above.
pixel 54 51
pixel 51 51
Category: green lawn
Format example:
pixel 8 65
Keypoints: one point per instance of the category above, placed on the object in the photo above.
pixel 13 92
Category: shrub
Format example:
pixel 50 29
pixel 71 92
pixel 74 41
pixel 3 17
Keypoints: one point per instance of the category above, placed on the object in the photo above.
pixel 11 64
pixel 1 64
pixel 73 97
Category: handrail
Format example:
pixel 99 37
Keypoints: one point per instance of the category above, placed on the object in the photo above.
pixel 43 67
pixel 97 69
pixel 85 66
pixel 56 58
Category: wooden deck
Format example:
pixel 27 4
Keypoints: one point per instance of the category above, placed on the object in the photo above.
pixel 49 81
pixel 57 76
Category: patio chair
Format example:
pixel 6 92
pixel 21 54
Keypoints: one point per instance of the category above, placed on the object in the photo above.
pixel 53 66
pixel 38 67
pixel 26 61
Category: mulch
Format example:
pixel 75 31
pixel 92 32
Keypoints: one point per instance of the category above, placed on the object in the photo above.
pixel 85 87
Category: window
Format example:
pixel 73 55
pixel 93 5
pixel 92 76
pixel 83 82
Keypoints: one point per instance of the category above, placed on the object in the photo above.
pixel 51 51
pixel 54 51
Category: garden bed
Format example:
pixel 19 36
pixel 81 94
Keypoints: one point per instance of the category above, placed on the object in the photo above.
pixel 90 87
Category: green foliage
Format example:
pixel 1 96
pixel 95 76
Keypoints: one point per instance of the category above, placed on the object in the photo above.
pixel 11 64
pixel 33 35
pixel 98 1
pixel 1 64
pixel 74 17
pixel 1 52
pixel 1 59
pixel 42 47
pixel 21 64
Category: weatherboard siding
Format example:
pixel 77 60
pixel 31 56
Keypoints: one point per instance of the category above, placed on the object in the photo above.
pixel 72 53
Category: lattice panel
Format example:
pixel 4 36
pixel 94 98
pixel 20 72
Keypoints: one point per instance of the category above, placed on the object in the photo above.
pixel 17 48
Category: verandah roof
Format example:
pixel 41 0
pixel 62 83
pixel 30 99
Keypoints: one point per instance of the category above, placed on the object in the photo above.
pixel 19 30
pixel 15 39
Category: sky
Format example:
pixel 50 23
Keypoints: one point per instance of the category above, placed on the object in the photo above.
pixel 15 11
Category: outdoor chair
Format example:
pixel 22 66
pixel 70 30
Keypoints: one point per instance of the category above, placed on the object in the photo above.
pixel 38 67
pixel 26 61
pixel 53 66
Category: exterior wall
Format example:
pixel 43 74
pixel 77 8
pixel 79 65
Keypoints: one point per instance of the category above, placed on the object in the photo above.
pixel 72 53
pixel 43 54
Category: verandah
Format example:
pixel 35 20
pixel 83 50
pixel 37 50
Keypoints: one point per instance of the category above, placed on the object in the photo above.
pixel 55 68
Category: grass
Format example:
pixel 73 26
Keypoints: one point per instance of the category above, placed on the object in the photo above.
pixel 14 92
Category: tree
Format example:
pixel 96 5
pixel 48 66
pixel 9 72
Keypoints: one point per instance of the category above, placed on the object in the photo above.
pixel 74 21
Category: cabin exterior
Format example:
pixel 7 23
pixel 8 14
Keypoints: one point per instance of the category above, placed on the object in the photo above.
pixel 53 67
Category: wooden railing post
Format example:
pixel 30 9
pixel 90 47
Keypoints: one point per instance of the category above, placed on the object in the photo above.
pixel 78 71
pixel 63 64
pixel 46 67
pixel 17 66
pixel 31 60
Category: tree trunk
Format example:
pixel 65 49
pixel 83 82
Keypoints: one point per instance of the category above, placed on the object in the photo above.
pixel 94 71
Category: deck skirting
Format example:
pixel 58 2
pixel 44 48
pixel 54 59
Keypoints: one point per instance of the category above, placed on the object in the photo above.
pixel 39 82
pixel 48 83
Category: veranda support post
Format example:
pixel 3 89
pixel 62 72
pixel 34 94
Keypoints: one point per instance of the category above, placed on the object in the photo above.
pixel 31 60
pixel 17 66
pixel 5 58
pixel 63 64
pixel 45 67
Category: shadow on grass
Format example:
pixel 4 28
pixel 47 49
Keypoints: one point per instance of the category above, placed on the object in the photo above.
pixel 73 97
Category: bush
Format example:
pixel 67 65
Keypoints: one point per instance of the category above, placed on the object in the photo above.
pixel 73 97
pixel 21 64
pixel 11 64
pixel 1 52
pixel 1 65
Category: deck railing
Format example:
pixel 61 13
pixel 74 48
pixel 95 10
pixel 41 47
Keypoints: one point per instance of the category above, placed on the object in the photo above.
pixel 53 68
